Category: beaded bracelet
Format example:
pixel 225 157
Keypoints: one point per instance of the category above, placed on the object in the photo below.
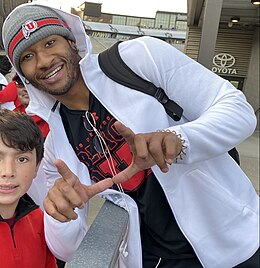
pixel 182 153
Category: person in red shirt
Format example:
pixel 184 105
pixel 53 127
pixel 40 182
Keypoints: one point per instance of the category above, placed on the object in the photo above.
pixel 15 91
pixel 22 239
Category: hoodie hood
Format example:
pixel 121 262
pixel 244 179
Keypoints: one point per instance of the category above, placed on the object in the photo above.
pixel 43 102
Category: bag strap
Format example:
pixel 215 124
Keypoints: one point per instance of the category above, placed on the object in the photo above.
pixel 116 69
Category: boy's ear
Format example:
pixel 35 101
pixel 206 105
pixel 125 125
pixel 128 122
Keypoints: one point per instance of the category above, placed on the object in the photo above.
pixel 36 169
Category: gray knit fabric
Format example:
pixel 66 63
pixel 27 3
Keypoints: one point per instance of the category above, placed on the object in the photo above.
pixel 21 16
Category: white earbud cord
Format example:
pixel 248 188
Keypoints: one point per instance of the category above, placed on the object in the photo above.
pixel 105 151
pixel 157 265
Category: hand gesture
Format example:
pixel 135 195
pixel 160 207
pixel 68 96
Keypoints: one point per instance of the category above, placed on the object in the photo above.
pixel 148 149
pixel 68 193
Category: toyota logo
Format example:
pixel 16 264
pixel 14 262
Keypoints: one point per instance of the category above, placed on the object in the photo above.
pixel 224 60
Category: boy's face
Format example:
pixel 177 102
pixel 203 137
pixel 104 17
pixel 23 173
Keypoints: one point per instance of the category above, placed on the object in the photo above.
pixel 17 170
pixel 51 65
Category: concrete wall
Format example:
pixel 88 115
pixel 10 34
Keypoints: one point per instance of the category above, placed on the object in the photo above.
pixel 251 88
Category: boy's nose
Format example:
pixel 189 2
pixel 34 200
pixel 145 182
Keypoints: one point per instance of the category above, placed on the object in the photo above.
pixel 7 169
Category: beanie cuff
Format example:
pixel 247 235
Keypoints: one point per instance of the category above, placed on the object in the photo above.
pixel 29 27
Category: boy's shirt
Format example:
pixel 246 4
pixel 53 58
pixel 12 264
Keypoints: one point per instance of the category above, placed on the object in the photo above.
pixel 11 221
pixel 24 245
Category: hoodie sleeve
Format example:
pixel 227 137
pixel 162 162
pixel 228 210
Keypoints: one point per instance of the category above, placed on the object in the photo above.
pixel 216 116
pixel 9 93
pixel 62 238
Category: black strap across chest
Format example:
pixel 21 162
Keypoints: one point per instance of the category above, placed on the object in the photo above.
pixel 116 69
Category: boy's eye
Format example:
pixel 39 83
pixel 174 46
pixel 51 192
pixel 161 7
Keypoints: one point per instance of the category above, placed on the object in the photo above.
pixel 22 159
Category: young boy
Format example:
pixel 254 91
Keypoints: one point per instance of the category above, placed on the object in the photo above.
pixel 22 241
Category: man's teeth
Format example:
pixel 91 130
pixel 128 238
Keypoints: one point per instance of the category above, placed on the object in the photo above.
pixel 53 72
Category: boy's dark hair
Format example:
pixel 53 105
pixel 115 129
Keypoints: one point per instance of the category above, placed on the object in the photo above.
pixel 19 131
pixel 5 65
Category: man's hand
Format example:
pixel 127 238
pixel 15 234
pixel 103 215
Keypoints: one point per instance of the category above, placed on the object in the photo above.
pixel 149 149
pixel 156 148
pixel 68 193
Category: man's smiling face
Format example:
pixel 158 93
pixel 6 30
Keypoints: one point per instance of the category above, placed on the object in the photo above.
pixel 51 65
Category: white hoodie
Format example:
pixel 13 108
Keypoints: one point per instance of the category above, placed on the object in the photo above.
pixel 214 203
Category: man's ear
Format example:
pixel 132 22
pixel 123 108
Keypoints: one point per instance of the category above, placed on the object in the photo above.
pixel 73 45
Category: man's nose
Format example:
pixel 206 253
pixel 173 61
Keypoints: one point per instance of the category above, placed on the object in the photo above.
pixel 43 60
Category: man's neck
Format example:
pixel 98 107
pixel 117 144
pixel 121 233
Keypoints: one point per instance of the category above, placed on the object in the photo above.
pixel 77 98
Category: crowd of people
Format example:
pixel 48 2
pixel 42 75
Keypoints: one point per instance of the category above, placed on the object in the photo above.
pixel 16 93
pixel 189 202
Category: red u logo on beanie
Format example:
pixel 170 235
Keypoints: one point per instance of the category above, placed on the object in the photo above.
pixel 28 27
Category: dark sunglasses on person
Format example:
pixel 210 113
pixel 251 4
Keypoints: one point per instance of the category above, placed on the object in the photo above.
pixel 90 125
pixel 19 84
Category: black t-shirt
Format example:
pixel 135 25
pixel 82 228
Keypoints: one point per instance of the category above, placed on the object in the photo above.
pixel 160 233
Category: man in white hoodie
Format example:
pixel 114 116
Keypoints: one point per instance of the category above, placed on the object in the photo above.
pixel 195 205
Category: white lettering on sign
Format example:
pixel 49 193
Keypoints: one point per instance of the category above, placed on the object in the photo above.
pixel 223 63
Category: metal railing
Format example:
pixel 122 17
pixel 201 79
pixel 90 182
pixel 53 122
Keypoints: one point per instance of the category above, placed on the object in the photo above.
pixel 100 247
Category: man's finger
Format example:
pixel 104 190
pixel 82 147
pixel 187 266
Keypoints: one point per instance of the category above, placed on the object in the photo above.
pixel 65 172
pixel 173 146
pixel 126 174
pixel 97 188
pixel 63 194
pixel 127 134
pixel 52 210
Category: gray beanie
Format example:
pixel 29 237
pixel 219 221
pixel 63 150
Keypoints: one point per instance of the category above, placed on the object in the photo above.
pixel 29 24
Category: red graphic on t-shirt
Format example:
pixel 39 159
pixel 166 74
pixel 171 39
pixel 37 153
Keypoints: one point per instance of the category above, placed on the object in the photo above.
pixel 120 155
